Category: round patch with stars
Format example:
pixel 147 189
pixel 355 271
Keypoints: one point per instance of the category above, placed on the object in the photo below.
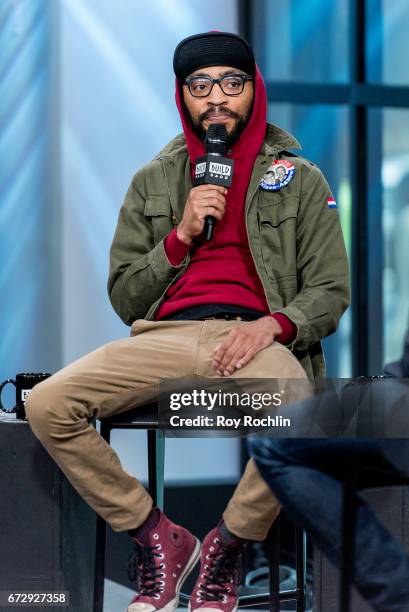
pixel 279 174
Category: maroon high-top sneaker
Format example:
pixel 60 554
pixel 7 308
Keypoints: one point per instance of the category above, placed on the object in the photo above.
pixel 220 574
pixel 160 565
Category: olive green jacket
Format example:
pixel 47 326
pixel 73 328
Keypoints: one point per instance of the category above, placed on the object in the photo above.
pixel 295 240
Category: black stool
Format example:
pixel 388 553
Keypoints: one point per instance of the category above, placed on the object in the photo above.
pixel 365 478
pixel 143 417
pixel 146 417
pixel 275 596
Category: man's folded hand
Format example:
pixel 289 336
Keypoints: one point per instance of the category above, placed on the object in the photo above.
pixel 243 342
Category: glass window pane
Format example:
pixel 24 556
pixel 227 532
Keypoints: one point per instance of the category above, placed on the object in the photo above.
pixel 323 132
pixel 301 41
pixel 387 41
pixel 392 128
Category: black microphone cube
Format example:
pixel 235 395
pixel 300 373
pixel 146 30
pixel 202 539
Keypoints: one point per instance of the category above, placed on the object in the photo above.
pixel 214 170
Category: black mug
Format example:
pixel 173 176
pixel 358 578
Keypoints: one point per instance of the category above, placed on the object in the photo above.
pixel 24 383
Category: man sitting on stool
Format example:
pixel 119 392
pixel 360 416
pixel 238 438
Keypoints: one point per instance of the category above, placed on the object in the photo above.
pixel 274 274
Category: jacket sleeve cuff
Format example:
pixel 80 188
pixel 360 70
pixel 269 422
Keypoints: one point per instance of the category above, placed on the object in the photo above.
pixel 289 328
pixel 175 249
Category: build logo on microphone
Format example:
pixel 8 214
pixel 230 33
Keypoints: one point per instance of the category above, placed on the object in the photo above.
pixel 214 171
pixel 219 170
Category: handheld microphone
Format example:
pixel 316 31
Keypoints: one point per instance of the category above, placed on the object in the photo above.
pixel 213 168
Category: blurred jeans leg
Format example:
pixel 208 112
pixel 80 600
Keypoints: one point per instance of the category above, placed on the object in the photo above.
pixel 306 476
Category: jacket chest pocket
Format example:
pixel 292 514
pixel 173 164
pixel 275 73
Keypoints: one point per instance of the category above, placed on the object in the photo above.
pixel 161 216
pixel 278 233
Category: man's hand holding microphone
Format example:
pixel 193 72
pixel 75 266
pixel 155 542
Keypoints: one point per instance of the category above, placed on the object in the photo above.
pixel 207 199
pixel 203 201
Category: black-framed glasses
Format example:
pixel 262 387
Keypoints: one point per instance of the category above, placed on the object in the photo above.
pixel 231 84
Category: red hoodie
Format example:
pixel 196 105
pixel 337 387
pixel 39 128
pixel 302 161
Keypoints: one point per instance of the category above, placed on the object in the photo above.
pixel 222 270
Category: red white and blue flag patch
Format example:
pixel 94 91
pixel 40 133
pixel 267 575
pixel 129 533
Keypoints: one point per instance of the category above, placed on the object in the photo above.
pixel 331 203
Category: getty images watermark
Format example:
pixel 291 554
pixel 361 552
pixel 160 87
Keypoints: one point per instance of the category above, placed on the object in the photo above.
pixel 193 407
pixel 370 407
pixel 208 400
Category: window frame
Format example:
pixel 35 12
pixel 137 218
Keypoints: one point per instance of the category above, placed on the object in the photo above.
pixel 360 97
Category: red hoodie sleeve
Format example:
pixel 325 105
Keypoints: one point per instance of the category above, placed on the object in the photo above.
pixel 289 328
pixel 175 249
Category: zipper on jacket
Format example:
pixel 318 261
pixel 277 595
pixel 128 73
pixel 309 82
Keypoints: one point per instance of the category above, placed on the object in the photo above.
pixel 249 242
pixel 255 264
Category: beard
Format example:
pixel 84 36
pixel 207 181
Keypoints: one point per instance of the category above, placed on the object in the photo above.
pixel 233 136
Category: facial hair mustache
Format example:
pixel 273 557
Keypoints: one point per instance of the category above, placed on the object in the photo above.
pixel 241 122
pixel 220 111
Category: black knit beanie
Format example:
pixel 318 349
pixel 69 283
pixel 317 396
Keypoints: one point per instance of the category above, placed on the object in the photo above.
pixel 212 49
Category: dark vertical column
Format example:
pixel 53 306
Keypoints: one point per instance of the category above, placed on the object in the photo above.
pixel 245 19
pixel 359 182
pixel 374 159
pixel 367 237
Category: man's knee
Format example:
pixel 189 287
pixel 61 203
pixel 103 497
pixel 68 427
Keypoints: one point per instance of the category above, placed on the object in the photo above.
pixel 289 365
pixel 270 451
pixel 41 406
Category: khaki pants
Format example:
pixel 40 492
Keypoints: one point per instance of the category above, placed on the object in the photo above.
pixel 123 374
